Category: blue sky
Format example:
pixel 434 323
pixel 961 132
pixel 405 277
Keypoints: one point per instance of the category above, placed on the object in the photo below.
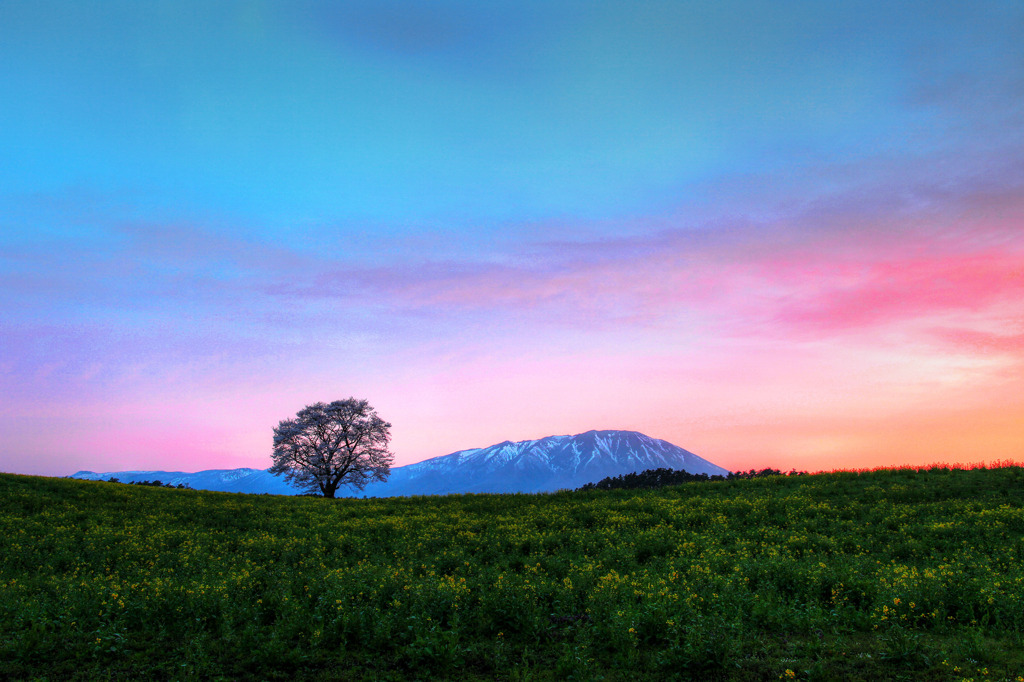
pixel 461 113
pixel 264 204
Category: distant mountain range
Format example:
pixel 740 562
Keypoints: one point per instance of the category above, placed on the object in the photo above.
pixel 547 464
pixel 254 481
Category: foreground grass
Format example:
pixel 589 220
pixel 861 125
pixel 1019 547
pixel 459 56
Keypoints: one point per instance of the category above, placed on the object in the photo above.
pixel 881 575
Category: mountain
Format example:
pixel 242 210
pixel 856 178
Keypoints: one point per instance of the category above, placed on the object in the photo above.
pixel 223 480
pixel 552 463
pixel 546 464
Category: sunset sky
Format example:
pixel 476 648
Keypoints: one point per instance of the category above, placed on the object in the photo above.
pixel 785 234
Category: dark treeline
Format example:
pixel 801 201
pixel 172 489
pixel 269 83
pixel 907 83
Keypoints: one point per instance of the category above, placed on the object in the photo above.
pixel 156 483
pixel 656 478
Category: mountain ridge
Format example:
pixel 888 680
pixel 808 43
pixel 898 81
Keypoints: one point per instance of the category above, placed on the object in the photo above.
pixel 540 465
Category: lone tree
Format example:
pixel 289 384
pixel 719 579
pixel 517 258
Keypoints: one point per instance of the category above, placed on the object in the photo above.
pixel 329 445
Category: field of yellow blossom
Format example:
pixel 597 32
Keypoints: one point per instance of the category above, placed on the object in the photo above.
pixel 897 574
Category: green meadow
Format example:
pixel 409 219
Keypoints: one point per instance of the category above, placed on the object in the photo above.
pixel 897 574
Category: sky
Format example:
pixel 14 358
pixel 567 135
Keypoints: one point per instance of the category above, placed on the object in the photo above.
pixel 777 234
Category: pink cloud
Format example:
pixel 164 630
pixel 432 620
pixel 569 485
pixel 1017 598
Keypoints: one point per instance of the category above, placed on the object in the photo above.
pixel 972 340
pixel 894 289
pixel 832 286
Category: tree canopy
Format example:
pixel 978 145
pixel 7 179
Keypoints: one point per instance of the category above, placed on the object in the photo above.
pixel 328 445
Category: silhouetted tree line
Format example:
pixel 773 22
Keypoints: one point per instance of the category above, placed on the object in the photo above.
pixel 656 478
pixel 156 484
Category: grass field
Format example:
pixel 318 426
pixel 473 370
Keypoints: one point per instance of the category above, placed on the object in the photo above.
pixel 903 574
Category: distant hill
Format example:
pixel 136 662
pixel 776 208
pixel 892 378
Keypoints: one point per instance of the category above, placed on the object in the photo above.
pixel 546 464
pixel 252 481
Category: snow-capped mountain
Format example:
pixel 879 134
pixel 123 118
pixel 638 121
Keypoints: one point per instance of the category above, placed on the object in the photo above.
pixel 547 464
pixel 552 463
pixel 223 480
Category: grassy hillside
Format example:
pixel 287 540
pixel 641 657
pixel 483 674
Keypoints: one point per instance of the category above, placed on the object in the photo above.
pixel 882 575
